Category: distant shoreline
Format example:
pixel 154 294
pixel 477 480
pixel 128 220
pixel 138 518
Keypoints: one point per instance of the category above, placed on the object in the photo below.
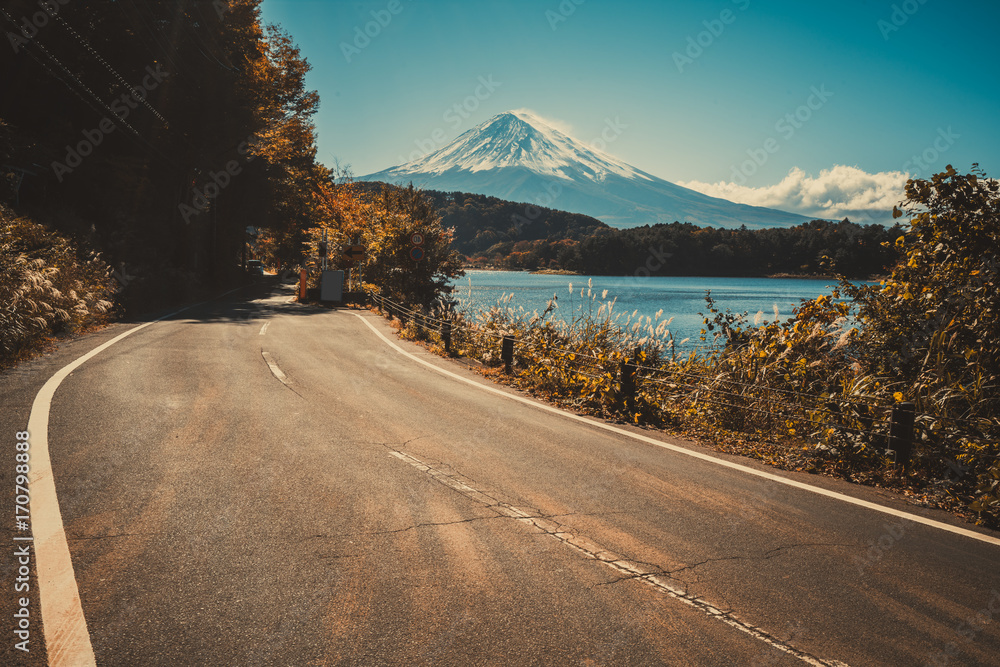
pixel 566 272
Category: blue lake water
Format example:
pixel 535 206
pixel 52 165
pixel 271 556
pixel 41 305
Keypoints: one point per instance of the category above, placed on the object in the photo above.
pixel 681 298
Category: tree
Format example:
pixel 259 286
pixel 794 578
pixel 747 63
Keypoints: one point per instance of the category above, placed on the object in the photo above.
pixel 932 323
pixel 930 328
pixel 394 216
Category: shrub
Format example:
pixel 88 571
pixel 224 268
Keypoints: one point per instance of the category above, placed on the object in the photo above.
pixel 47 286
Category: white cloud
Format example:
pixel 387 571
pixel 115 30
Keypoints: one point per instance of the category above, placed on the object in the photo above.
pixel 554 123
pixel 835 194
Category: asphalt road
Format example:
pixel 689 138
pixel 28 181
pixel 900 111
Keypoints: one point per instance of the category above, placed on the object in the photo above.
pixel 257 482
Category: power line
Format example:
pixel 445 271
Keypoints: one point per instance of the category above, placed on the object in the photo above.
pixel 91 93
pixel 114 72
pixel 166 52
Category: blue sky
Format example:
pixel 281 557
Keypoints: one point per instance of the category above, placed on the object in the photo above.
pixel 813 107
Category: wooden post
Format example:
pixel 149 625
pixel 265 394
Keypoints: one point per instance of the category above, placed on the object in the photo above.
pixel 507 354
pixel 901 433
pixel 627 372
pixel 303 275
pixel 446 336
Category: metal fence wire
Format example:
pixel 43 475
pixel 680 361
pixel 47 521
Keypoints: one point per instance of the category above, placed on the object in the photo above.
pixel 671 387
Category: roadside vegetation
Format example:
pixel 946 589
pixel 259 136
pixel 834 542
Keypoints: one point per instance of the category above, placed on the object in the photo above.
pixel 48 286
pixel 812 392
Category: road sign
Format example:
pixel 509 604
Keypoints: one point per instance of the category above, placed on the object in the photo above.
pixel 353 253
pixel 417 239
pixel 416 253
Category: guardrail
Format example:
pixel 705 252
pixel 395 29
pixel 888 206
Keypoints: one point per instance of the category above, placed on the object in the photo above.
pixel 889 428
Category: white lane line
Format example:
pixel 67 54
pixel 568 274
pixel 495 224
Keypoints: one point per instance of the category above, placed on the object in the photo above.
pixel 629 569
pixel 989 539
pixel 67 640
pixel 274 369
pixel 263 329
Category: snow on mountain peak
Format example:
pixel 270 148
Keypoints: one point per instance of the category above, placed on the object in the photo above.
pixel 521 157
pixel 521 139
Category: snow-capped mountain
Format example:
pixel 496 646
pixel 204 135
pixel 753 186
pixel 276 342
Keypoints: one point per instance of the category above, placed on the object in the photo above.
pixel 518 157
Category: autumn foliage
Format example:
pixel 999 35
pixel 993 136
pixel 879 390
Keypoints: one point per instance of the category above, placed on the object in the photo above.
pixel 815 391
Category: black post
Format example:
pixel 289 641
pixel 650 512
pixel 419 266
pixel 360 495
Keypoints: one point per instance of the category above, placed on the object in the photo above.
pixel 901 433
pixel 507 354
pixel 626 382
pixel 446 336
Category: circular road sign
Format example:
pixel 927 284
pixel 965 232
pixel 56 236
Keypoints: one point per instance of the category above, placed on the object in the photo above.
pixel 417 239
pixel 417 253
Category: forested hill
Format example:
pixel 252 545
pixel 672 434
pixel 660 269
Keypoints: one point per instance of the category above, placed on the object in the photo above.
pixel 498 233
pixel 481 222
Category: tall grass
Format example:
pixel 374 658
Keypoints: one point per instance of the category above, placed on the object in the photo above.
pixel 47 286
pixel 794 392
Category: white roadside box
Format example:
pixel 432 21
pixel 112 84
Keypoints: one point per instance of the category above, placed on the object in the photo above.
pixel 332 286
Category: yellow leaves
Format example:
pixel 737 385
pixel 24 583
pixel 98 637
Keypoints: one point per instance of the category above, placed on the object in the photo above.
pixel 897 396
pixel 896 213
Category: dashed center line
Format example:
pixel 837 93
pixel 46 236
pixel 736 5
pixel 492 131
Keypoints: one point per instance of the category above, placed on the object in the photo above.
pixel 621 565
pixel 263 329
pixel 275 370
pixel 701 456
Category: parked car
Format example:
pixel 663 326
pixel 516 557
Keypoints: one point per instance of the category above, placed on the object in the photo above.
pixel 255 267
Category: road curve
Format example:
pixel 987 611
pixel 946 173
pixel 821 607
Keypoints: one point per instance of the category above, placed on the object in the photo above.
pixel 256 482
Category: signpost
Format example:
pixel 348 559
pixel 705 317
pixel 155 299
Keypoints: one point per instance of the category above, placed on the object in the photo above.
pixel 353 253
pixel 417 251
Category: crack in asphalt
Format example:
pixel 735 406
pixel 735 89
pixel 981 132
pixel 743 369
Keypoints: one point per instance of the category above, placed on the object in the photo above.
pixel 649 573
pixel 481 518
pixel 767 555
pixel 442 523
pixel 672 574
